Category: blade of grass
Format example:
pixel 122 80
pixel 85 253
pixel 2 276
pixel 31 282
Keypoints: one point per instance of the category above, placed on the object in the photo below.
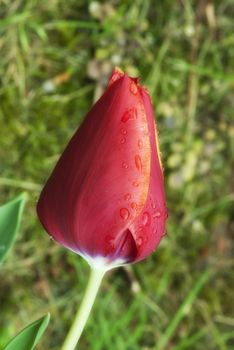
pixel 204 71
pixel 169 332
pixel 61 24
pixel 14 19
pixel 220 204
pixel 188 343
pixel 25 185
pixel 153 78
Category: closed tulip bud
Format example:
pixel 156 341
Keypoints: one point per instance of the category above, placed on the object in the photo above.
pixel 105 198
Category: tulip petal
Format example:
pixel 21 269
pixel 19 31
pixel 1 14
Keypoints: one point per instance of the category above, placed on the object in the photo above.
pixel 115 75
pixel 100 184
pixel 149 226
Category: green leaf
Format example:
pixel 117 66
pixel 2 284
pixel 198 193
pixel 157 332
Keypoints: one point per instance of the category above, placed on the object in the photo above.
pixel 10 215
pixel 28 338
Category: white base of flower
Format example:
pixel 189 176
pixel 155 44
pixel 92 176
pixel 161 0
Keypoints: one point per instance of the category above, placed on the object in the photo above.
pixel 102 263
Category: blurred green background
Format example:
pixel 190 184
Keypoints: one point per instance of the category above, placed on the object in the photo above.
pixel 55 58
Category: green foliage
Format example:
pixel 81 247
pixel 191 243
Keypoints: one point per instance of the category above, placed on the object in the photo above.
pixel 28 338
pixel 10 216
pixel 56 56
pixel 187 304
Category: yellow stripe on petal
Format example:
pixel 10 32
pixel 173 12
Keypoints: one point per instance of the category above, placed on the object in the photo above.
pixel 157 145
pixel 142 158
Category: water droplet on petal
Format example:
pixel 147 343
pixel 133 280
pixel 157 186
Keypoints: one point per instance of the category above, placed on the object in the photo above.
pixel 123 131
pixel 156 214
pixel 138 163
pixel 124 213
pixel 123 140
pixel 51 238
pixel 145 219
pixel 153 205
pixel 130 114
pixel 135 184
pixel 140 144
pixel 125 165
pixel 127 196
pixel 134 205
pixel 139 241
pixel 133 88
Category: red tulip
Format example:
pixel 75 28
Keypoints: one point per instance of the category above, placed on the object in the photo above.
pixel 105 198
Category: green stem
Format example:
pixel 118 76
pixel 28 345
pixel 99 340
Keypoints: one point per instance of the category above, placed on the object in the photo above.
pixel 82 315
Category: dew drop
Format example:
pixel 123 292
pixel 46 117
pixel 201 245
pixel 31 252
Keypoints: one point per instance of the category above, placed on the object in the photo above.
pixel 125 165
pixel 140 144
pixel 124 213
pixel 154 231
pixel 123 140
pixel 127 196
pixel 130 114
pixel 156 214
pixel 133 88
pixel 134 205
pixel 153 205
pixel 138 163
pixel 146 219
pixel 51 238
pixel 123 131
pixel 139 241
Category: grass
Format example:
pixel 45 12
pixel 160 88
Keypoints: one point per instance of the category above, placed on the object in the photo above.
pixel 56 57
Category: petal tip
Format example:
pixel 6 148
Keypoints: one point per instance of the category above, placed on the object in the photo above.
pixel 116 74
